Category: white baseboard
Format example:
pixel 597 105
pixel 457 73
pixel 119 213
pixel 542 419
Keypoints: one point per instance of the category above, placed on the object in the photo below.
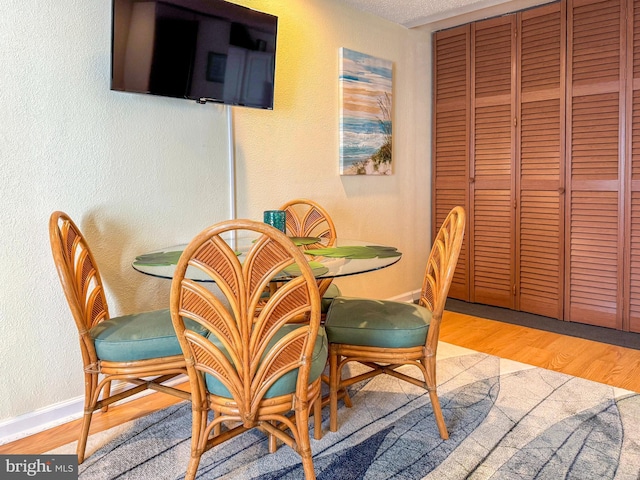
pixel 57 414
pixel 51 416
pixel 408 297
pixel 39 420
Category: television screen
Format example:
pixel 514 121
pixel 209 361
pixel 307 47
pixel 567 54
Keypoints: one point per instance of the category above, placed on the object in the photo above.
pixel 203 50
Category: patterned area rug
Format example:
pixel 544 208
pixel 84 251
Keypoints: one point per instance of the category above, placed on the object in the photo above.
pixel 506 420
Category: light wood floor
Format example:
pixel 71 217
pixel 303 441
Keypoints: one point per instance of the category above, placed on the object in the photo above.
pixel 616 366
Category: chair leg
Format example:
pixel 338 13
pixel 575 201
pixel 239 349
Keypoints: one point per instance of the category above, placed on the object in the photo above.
pixel 192 468
pixel 437 412
pixel 304 446
pixel 218 428
pixel 84 434
pixel 106 393
pixel 317 418
pixel 430 380
pixel 198 441
pixel 273 440
pixel 90 400
pixel 334 385
pixel 307 465
pixel 346 398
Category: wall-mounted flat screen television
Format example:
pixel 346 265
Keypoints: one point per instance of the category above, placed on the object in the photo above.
pixel 203 50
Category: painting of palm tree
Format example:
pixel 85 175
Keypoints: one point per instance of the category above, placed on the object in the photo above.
pixel 365 115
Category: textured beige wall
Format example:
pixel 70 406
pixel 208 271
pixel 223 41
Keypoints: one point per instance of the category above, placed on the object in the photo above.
pixel 140 172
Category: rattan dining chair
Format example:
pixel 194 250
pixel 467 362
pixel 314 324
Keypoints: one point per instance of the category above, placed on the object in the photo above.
pixel 306 218
pixel 384 335
pixel 139 349
pixel 255 369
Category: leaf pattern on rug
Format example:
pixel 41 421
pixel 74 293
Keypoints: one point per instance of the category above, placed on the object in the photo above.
pixel 355 462
pixel 350 464
pixel 566 450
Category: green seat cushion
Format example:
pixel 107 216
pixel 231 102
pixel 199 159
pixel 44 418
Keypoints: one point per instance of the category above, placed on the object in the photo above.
pixel 377 323
pixel 140 336
pixel 332 292
pixel 287 383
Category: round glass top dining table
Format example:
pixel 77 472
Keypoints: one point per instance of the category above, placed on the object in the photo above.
pixel 162 263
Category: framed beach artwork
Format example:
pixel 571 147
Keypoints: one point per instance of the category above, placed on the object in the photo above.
pixel 365 114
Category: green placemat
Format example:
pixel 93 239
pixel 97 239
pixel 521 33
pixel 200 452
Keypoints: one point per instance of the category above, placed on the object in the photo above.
pixel 316 267
pixel 159 259
pixel 299 241
pixel 356 252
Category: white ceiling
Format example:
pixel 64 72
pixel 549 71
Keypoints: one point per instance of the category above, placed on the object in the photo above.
pixel 416 13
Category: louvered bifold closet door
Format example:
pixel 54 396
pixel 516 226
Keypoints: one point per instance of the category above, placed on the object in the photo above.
pixel 451 138
pixel 540 214
pixel 633 184
pixel 492 230
pixel 595 103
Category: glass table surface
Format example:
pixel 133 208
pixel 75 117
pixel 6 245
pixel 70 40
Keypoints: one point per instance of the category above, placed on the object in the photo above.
pixel 162 263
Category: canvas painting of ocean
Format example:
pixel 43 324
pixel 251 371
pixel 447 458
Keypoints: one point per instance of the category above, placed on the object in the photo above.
pixel 365 114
